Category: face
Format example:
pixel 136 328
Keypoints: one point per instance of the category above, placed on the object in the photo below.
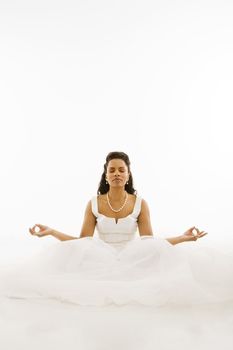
pixel 117 169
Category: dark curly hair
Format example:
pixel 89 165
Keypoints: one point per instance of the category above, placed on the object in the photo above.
pixel 103 187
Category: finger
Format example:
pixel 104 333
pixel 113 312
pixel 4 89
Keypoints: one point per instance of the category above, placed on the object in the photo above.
pixel 201 232
pixel 202 235
pixel 38 225
pixel 38 234
pixel 42 227
pixel 194 232
pixel 32 231
pixel 34 228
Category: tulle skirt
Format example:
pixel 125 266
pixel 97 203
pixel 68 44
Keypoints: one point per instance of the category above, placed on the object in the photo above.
pixel 148 271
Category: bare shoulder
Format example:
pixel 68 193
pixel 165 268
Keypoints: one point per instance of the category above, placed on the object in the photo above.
pixel 144 223
pixel 89 207
pixel 89 221
pixel 144 207
pixel 89 210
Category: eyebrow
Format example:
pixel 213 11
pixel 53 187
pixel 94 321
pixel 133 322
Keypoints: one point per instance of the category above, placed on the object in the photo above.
pixel 120 167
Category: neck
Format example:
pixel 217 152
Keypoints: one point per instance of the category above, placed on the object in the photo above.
pixel 116 193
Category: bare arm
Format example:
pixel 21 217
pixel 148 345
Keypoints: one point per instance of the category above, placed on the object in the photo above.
pixel 145 228
pixel 89 222
pixel 192 234
pixel 62 236
pixel 87 230
pixel 47 231
pixel 144 223
pixel 176 239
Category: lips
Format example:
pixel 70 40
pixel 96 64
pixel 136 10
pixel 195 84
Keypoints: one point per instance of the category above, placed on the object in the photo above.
pixel 117 180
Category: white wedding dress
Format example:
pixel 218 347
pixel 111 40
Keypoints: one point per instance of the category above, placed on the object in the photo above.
pixel 118 266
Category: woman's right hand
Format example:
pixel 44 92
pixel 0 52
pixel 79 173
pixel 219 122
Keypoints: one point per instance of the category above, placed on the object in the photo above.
pixel 44 230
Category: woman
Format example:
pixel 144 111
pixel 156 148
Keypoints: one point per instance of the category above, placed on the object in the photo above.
pixel 117 266
pixel 116 188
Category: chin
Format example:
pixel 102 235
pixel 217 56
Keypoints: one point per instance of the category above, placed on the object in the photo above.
pixel 117 184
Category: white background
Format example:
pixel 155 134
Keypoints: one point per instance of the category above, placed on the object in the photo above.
pixel 79 79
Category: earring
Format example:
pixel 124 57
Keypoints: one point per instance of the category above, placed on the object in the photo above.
pixel 106 181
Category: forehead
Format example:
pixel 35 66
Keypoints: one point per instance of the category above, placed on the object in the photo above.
pixel 117 163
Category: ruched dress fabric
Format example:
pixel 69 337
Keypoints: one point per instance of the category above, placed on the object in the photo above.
pixel 118 266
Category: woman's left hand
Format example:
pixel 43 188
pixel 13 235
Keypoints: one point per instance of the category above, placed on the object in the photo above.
pixel 191 235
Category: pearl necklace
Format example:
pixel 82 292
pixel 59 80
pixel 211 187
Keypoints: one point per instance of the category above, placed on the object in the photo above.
pixel 117 210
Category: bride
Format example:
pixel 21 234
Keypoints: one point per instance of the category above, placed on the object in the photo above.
pixel 116 192
pixel 117 265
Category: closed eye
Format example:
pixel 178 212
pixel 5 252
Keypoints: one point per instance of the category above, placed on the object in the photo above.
pixel 113 169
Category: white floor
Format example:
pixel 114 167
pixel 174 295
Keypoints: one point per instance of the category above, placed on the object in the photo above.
pixel 49 324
